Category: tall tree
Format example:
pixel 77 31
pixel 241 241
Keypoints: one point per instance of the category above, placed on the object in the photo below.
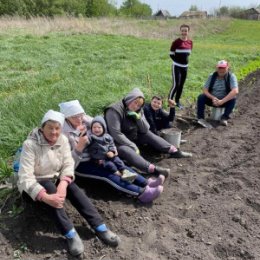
pixel 99 8
pixel 135 8
pixel 193 8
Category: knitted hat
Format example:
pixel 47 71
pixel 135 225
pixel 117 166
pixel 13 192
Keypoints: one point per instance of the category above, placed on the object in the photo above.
pixel 71 108
pixel 54 116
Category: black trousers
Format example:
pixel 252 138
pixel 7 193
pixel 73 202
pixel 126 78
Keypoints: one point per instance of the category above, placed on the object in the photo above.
pixel 79 200
pixel 179 75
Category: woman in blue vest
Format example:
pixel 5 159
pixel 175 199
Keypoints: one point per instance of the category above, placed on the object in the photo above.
pixel 220 90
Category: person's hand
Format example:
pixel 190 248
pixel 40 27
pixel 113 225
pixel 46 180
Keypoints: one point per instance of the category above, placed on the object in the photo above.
pixel 171 103
pixel 62 189
pixel 110 154
pixel 134 115
pixel 82 142
pixel 54 200
pixel 220 102
pixel 215 101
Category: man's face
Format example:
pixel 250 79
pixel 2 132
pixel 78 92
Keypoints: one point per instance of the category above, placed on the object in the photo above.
pixel 222 71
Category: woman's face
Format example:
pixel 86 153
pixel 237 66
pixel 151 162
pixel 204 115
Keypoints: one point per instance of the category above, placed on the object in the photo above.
pixel 184 32
pixel 136 104
pixel 76 121
pixel 51 131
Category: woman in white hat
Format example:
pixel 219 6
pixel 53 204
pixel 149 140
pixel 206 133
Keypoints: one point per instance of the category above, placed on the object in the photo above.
pixel 46 174
pixel 75 127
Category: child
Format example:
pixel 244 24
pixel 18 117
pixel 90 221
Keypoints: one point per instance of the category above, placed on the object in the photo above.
pixel 179 53
pixel 102 149
pixel 158 118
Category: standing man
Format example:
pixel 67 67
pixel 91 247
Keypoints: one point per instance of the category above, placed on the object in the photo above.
pixel 179 53
pixel 220 90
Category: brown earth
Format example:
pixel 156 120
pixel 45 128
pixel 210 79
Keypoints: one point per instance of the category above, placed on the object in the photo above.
pixel 209 210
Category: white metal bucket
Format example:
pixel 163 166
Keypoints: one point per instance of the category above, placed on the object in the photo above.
pixel 216 113
pixel 172 136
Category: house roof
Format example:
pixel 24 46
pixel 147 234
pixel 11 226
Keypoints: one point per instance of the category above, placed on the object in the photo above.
pixel 255 10
pixel 193 13
pixel 162 12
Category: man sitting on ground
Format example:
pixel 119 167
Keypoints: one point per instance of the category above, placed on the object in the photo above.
pixel 220 90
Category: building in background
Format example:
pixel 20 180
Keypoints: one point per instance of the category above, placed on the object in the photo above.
pixel 193 14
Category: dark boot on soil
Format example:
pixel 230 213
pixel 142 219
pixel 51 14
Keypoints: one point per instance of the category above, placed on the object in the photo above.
pixel 161 171
pixel 75 245
pixel 108 237
pixel 180 154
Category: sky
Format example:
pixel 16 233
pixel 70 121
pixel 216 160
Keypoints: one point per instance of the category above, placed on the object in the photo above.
pixel 176 7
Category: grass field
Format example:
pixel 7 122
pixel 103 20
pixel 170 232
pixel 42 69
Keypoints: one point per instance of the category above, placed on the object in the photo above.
pixel 47 62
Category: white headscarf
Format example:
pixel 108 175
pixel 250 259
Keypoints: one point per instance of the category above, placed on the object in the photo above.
pixel 71 108
pixel 54 116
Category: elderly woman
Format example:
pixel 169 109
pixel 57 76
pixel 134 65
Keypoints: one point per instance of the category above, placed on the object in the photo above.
pixel 126 123
pixel 46 174
pixel 75 128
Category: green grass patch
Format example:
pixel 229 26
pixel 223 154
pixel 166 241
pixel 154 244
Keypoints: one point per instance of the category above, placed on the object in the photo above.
pixel 39 71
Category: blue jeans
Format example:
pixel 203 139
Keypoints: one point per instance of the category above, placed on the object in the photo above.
pixel 114 164
pixel 204 100
pixel 92 170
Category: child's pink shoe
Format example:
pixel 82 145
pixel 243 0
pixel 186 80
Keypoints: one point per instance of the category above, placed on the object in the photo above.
pixel 154 182
pixel 150 194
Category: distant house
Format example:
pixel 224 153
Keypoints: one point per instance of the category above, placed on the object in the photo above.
pixel 162 14
pixel 251 14
pixel 193 14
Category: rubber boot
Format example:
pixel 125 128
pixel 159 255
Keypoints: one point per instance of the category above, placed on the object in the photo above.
pixel 161 171
pixel 150 194
pixel 75 245
pixel 108 237
pixel 180 154
pixel 154 182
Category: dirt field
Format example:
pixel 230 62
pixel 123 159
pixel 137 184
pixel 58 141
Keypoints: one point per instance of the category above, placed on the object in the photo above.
pixel 210 208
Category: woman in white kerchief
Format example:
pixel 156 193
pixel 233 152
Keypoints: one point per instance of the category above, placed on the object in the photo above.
pixel 46 174
pixel 75 127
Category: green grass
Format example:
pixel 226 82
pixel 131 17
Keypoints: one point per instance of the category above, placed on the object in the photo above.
pixel 38 72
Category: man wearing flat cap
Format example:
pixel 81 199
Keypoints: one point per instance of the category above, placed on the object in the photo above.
pixel 220 90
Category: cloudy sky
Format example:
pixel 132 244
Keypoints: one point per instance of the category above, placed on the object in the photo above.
pixel 176 7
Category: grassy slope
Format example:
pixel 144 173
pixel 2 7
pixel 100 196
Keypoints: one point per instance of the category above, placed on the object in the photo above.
pixel 39 71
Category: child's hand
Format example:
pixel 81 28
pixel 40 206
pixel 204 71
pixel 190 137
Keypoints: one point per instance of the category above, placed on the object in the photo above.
pixel 171 103
pixel 110 155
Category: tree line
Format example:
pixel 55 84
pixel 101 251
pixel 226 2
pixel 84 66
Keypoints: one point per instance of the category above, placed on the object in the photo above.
pixel 232 11
pixel 85 8
pixel 91 8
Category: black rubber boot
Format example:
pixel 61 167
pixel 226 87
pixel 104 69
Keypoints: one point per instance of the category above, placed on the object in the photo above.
pixel 161 171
